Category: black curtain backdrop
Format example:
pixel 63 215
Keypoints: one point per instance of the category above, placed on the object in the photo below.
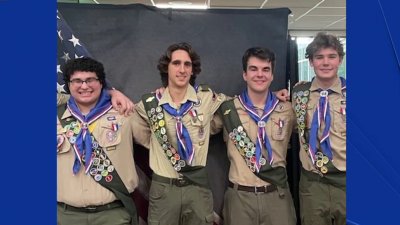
pixel 129 39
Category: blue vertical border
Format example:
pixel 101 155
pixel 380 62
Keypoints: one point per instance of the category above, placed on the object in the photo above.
pixel 28 112
pixel 373 44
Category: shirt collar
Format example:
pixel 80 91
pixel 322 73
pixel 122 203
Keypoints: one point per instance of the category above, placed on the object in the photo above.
pixel 336 86
pixel 190 95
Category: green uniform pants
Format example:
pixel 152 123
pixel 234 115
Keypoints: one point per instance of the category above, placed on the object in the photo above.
pixel 172 205
pixel 273 208
pixel 321 203
pixel 116 216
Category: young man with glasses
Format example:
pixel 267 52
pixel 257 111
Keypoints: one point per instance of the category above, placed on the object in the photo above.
pixel 95 167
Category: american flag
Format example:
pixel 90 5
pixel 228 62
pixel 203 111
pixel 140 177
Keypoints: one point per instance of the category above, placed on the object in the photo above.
pixel 70 47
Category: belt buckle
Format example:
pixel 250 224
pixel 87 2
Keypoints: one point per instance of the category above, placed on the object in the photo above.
pixel 91 208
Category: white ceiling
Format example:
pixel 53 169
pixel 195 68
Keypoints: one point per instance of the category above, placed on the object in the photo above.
pixel 308 16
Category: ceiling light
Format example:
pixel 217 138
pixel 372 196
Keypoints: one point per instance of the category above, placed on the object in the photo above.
pixel 181 5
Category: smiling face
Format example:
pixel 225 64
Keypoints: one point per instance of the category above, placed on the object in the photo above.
pixel 326 62
pixel 86 94
pixel 258 75
pixel 179 69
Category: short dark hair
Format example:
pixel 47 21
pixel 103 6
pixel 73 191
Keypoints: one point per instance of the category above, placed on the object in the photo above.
pixel 84 64
pixel 324 40
pixel 260 53
pixel 165 59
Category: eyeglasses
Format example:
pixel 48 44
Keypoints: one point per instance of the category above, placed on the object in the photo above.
pixel 89 81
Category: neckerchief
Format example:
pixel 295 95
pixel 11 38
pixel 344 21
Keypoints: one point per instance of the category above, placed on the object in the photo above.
pixel 83 143
pixel 262 138
pixel 185 147
pixel 322 113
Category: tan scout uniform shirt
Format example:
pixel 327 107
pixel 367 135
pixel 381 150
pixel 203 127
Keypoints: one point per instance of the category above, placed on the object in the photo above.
pixel 82 190
pixel 337 130
pixel 239 172
pixel 158 160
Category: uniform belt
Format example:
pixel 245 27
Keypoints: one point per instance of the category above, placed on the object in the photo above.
pixel 179 182
pixel 92 209
pixel 262 189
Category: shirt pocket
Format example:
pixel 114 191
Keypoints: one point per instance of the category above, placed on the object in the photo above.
pixel 198 125
pixel 108 134
pixel 339 119
pixel 279 128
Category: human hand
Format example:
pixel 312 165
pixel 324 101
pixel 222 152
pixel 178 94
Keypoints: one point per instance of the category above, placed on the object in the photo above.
pixel 160 91
pixel 121 102
pixel 283 95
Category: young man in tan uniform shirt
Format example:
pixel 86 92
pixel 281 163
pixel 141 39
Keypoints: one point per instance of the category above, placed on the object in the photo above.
pixel 249 198
pixel 323 142
pixel 81 197
pixel 179 192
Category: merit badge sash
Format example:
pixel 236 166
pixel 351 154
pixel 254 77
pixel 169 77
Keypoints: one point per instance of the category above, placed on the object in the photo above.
pixel 320 159
pixel 247 149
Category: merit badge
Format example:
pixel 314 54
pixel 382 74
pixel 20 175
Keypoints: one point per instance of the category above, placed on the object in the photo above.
pixel 108 178
pixel 104 173
pixel 177 167
pixel 93 171
pixel 110 168
pixel 97 177
pixel 324 169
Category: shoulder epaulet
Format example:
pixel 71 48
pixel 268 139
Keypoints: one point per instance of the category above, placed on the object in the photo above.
pixel 203 87
pixel 302 87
